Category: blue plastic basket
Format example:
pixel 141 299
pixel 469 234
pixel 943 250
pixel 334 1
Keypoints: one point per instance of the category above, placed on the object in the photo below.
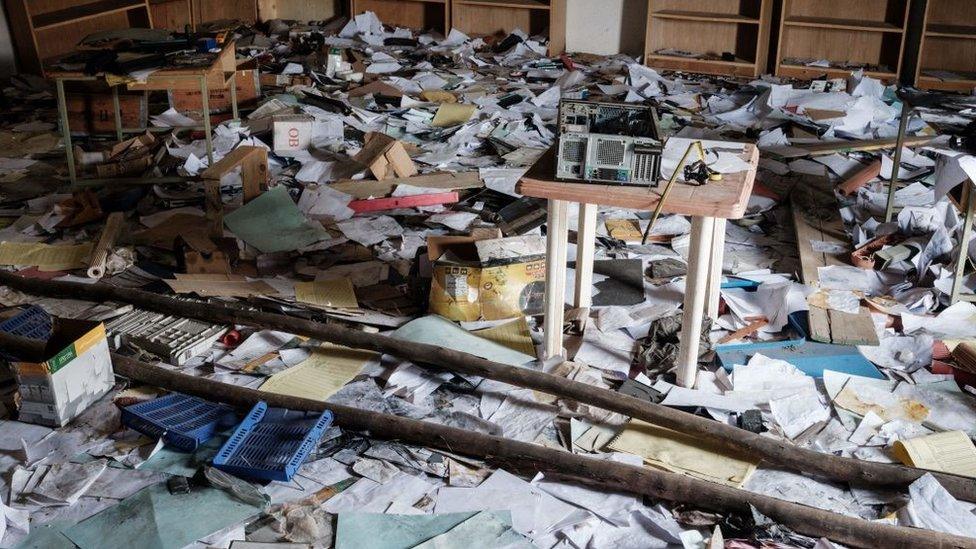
pixel 272 443
pixel 183 422
pixel 33 322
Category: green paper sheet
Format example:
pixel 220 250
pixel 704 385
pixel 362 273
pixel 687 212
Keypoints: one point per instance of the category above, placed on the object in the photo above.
pixel 437 330
pixel 153 518
pixel 273 223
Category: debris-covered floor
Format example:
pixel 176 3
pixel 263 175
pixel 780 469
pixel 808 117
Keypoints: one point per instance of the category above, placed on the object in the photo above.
pixel 393 168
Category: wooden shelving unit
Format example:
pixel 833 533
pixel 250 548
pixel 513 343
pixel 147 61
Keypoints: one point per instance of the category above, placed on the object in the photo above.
pixel 216 10
pixel 865 32
pixel 174 15
pixel 413 14
pixel 488 17
pixel 947 54
pixel 43 29
pixel 707 29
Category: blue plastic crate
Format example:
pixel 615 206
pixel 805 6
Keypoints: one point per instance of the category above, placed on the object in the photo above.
pixel 272 443
pixel 183 422
pixel 33 322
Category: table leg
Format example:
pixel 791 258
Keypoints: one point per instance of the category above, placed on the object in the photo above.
pixel 556 231
pixel 118 113
pixel 715 268
pixel 969 204
pixel 69 152
pixel 699 253
pixel 205 98
pixel 233 97
pixel 906 111
pixel 585 248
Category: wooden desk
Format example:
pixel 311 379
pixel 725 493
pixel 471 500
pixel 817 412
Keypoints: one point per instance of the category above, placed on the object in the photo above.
pixel 709 206
pixel 220 74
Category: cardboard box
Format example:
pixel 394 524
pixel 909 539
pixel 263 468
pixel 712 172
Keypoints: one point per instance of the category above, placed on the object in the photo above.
pixel 292 133
pixel 385 157
pixel 78 373
pixel 90 113
pixel 188 102
pixel 477 278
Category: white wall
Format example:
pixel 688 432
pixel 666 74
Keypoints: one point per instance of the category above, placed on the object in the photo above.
pixel 606 26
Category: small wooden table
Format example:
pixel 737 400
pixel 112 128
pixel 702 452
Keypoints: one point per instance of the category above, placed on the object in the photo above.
pixel 709 206
pixel 220 74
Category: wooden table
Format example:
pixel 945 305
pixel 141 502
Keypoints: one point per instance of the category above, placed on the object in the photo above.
pixel 709 206
pixel 220 74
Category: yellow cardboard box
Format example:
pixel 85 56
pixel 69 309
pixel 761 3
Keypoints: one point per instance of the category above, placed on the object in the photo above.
pixel 486 279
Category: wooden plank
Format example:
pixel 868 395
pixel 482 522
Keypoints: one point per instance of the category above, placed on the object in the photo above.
pixel 79 12
pixel 727 198
pixel 819 325
pixel 362 189
pixel 851 329
pixel 742 333
pixel 810 261
pixel 827 148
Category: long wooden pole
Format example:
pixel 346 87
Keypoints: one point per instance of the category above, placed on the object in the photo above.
pixel 775 452
pixel 530 458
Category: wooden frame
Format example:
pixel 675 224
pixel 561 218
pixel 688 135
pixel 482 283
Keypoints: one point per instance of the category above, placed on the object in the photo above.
pixel 713 27
pixel 487 17
pixel 948 46
pixel 44 29
pixel 414 14
pixel 867 31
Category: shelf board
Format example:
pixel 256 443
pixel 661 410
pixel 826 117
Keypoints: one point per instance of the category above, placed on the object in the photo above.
pixel 717 62
pixel 842 24
pixel 950 31
pixel 835 71
pixel 516 4
pixel 704 16
pixel 82 12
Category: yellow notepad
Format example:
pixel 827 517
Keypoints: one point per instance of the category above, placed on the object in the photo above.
pixel 319 376
pixel 949 452
pixel 681 453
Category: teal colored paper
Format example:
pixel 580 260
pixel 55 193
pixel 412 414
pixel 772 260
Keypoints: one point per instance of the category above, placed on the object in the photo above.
pixel 153 518
pixel 273 223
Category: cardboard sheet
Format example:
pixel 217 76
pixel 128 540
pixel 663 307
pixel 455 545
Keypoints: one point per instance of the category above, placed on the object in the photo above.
pixel 337 293
pixel 44 256
pixel 453 114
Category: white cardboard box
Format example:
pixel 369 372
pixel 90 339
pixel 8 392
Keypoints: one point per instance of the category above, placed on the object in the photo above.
pixel 292 133
pixel 78 373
